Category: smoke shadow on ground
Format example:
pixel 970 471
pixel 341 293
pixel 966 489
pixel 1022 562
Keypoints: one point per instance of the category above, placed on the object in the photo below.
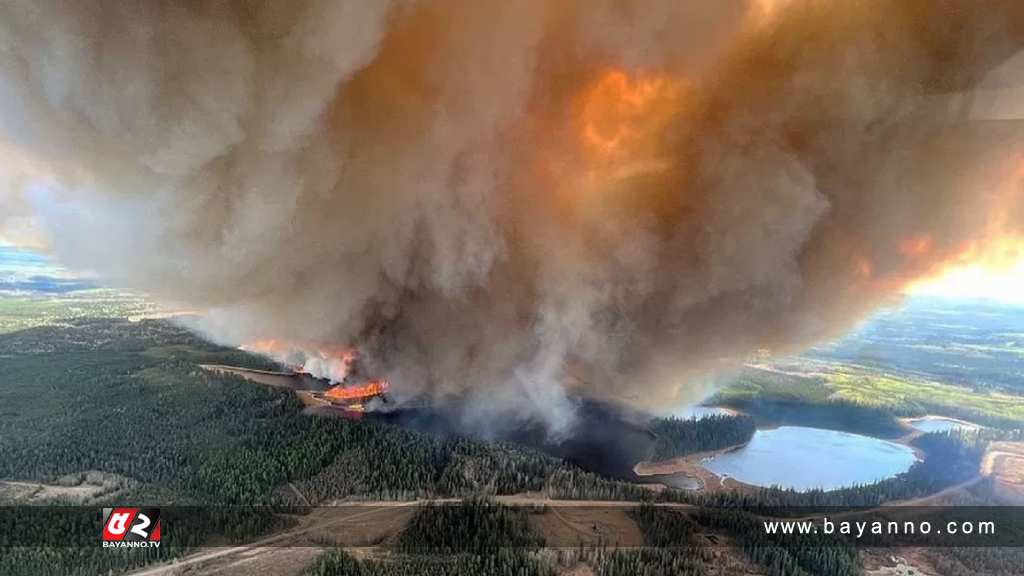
pixel 606 439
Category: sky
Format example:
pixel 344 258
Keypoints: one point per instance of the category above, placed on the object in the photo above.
pixel 977 281
pixel 24 271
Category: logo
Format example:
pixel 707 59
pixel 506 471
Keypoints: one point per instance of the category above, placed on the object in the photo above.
pixel 131 527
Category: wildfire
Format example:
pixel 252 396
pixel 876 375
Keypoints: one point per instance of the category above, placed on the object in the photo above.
pixel 622 119
pixel 349 393
pixel 322 360
pixel 327 361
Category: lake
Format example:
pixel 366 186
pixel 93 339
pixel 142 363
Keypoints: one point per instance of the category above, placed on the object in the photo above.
pixel 939 424
pixel 806 458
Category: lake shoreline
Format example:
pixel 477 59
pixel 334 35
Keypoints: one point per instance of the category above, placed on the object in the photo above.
pixel 693 466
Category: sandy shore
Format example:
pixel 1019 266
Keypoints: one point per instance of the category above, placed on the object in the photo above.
pixel 692 466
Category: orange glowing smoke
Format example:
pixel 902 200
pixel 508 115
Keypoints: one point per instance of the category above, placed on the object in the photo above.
pixel 763 11
pixel 267 347
pixel 916 246
pixel 274 346
pixel 319 359
pixel 349 393
pixel 622 118
pixel 863 266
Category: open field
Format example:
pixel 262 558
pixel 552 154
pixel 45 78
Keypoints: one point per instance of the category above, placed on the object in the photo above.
pixel 959 359
pixel 371 530
pixel 1005 463
pixel 73 489
pixel 801 382
pixel 974 344
pixel 18 312
pixel 858 385
pixel 267 377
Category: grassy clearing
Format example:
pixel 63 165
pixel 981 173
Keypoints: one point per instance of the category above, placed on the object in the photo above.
pixel 861 387
pixel 885 390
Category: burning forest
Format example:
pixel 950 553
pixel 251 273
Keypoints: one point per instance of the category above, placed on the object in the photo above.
pixel 337 369
pixel 515 204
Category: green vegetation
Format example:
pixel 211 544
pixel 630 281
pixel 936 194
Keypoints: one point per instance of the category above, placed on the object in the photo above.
pixel 958 359
pixel 28 311
pixel 479 537
pixel 466 539
pixel 858 401
pixel 475 526
pixel 789 555
pixel 653 562
pixel 502 563
pixel 58 540
pixel 575 484
pixel 128 398
pixel 680 437
pixel 662 527
pixel 911 397
pixel 669 537
pixel 975 345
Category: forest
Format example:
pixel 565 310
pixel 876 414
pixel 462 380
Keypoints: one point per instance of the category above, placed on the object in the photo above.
pixel 127 399
pixel 680 437
pixel 790 555
pixel 478 537
pixel 474 526
pixel 502 563
pixel 473 537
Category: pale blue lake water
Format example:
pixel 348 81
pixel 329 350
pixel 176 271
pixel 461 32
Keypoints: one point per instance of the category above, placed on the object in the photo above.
pixel 938 424
pixel 807 458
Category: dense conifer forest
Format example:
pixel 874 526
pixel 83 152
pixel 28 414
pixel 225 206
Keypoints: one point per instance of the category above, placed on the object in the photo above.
pixel 680 437
pixel 789 555
pixel 127 400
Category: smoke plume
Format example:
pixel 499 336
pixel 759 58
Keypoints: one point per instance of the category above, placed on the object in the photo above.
pixel 517 202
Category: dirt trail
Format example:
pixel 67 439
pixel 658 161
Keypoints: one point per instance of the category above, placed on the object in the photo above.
pixel 299 495
pixel 266 377
pixel 236 554
pixel 207 556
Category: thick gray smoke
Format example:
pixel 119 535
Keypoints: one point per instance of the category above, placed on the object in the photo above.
pixel 517 202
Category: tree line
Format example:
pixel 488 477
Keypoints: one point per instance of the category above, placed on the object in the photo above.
pixel 680 437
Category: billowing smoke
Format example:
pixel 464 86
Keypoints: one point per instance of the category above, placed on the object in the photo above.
pixel 518 202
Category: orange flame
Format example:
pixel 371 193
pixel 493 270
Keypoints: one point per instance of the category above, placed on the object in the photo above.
pixel 368 390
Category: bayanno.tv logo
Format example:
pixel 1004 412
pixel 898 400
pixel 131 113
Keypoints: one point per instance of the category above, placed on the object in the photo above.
pixel 131 527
